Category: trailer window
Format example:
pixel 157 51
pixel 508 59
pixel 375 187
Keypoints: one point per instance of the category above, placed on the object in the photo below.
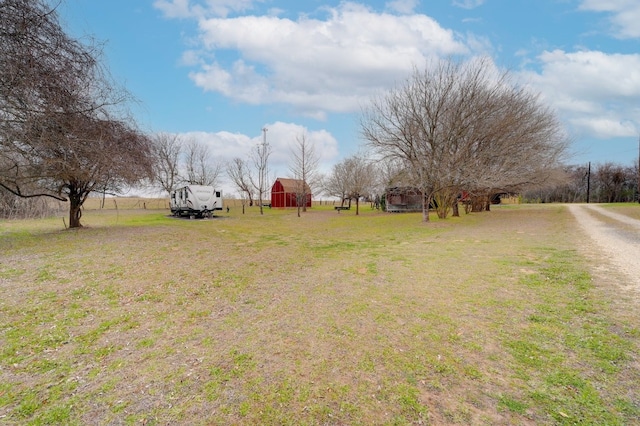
pixel 218 194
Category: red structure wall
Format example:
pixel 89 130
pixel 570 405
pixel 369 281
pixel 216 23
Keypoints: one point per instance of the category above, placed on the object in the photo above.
pixel 283 193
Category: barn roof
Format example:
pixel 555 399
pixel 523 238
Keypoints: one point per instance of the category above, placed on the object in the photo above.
pixel 292 185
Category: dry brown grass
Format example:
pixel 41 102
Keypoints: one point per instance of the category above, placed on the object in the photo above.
pixel 324 319
pixel 629 209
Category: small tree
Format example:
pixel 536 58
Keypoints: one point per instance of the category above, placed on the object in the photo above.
pixel 167 149
pixel 199 167
pixel 239 173
pixel 179 162
pixel 361 178
pixel 260 156
pixel 614 183
pixel 336 183
pixel 304 167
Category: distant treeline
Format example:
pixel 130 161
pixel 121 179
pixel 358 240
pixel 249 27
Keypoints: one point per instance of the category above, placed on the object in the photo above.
pixel 600 183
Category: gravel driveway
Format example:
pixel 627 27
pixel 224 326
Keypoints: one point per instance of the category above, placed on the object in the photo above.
pixel 616 238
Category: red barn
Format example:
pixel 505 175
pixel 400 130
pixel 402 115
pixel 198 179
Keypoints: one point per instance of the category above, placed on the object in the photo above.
pixel 284 191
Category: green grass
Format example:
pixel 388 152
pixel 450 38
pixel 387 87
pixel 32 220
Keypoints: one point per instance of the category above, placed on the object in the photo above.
pixel 329 318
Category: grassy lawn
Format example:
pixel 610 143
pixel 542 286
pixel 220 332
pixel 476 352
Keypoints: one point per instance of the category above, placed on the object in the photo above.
pixel 330 318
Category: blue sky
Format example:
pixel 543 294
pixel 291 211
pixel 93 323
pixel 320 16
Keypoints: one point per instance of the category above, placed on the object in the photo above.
pixel 219 71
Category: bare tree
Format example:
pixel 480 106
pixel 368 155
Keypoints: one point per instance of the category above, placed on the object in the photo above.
pixel 361 178
pixel 199 166
pixel 568 186
pixel 390 172
pixel 304 167
pixel 614 183
pixel 63 132
pixel 351 179
pixel 167 149
pixel 518 143
pixel 244 200
pixel 260 157
pixel 239 173
pixel 336 183
pixel 179 162
pixel 460 126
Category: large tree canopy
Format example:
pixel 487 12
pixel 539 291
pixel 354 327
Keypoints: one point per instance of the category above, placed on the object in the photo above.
pixel 465 127
pixel 64 131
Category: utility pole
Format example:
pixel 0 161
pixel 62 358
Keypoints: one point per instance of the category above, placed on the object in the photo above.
pixel 588 182
pixel 638 170
pixel 263 169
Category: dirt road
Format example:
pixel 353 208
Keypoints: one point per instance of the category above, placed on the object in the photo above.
pixel 615 240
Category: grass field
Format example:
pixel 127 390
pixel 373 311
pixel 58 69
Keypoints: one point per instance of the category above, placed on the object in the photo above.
pixel 330 318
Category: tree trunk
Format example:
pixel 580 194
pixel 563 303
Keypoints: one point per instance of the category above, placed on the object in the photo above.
pixel 426 201
pixel 75 212
pixel 477 203
pixel 445 200
pixel 456 211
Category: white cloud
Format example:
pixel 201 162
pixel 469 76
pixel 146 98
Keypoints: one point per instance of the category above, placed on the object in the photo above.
pixel 468 4
pixel 402 6
pixel 624 15
pixel 595 75
pixel 190 58
pixel 280 136
pixel 605 127
pixel 596 93
pixel 318 65
pixel 480 44
pixel 201 9
pixel 174 8
pixel 240 82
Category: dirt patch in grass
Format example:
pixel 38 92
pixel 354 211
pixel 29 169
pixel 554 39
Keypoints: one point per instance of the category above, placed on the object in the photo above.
pixel 330 318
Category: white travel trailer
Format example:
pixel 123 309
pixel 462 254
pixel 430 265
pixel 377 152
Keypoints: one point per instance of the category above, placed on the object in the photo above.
pixel 195 200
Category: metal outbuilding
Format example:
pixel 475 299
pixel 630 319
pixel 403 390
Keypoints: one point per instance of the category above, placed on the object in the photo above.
pixel 284 192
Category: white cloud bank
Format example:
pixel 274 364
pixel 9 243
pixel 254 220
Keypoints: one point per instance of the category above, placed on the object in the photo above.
pixel 280 136
pixel 335 63
pixel 624 15
pixel 314 65
pixel 596 93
